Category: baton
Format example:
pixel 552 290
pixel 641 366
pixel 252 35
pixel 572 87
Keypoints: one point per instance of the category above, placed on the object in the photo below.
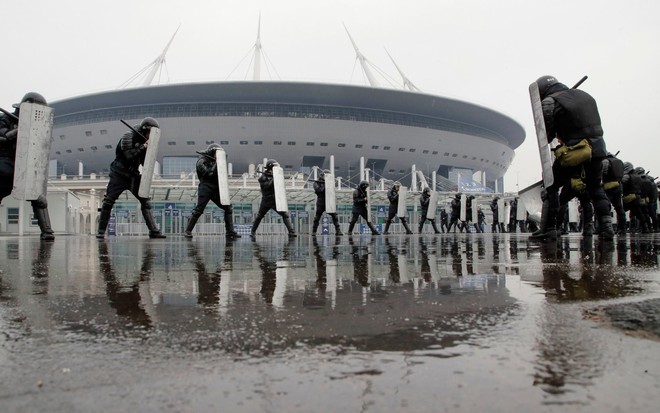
pixel 8 113
pixel 580 82
pixel 135 131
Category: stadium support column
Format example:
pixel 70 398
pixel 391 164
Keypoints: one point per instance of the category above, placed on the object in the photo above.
pixel 332 164
pixel 413 186
pixel 433 180
pixel 362 173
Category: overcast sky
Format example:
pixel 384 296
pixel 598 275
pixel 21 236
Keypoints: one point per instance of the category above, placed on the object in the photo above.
pixel 485 52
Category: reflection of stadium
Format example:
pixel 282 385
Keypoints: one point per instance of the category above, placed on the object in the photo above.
pixel 299 124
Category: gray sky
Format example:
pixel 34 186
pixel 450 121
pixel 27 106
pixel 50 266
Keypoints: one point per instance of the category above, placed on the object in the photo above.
pixel 482 51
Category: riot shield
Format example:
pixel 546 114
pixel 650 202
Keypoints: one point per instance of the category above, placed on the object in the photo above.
pixel 463 211
pixel 330 196
pixel 530 197
pixel 281 204
pixel 35 125
pixel 433 205
pixel 401 209
pixel 541 135
pixel 521 212
pixel 573 213
pixel 223 177
pixel 149 165
pixel 368 204
pixel 475 212
pixel 501 212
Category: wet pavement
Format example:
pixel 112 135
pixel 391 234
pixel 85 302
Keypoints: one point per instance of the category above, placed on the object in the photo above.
pixel 419 323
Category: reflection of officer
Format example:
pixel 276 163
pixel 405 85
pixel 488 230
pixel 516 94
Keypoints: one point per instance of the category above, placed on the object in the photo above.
pixel 267 186
pixel 319 189
pixel 393 196
pixel 40 266
pixel 8 135
pixel 269 271
pixel 125 175
pixel 444 227
pixel 127 301
pixel 209 190
pixel 650 197
pixel 360 264
pixel 360 207
pixel 494 208
pixel 455 213
pixel 424 200
pixel 317 298
pixel 209 283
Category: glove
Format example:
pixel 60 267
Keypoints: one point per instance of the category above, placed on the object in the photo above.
pixel 12 134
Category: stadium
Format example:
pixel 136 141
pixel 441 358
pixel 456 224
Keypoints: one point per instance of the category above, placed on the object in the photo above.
pixel 300 124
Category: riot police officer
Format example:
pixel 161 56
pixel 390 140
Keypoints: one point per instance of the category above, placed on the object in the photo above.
pixel 424 201
pixel 125 175
pixel 650 197
pixel 612 176
pixel 267 186
pixel 319 189
pixel 632 196
pixel 360 206
pixel 8 135
pixel 209 190
pixel 393 196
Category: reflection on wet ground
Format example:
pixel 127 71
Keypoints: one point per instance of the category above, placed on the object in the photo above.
pixel 434 318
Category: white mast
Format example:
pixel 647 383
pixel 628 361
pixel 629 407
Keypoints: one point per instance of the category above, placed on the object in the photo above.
pixel 257 53
pixel 363 62
pixel 406 82
pixel 158 62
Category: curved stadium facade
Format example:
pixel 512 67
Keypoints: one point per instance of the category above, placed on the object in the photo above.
pixel 299 124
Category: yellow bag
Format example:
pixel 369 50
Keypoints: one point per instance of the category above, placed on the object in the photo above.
pixel 629 198
pixel 574 155
pixel 610 185
pixel 578 185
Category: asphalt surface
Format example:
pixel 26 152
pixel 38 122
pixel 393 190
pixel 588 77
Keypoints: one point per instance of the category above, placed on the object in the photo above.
pixel 419 323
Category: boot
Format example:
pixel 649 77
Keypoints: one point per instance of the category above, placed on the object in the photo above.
pixel 289 226
pixel 350 227
pixel 435 228
pixel 547 227
pixel 103 223
pixel 335 221
pixel 588 230
pixel 154 232
pixel 315 225
pixel 44 223
pixel 405 225
pixel 421 226
pixel 606 230
pixel 229 227
pixel 255 225
pixel 387 227
pixel 191 225
pixel 373 229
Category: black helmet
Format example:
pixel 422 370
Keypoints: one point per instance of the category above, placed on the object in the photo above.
pixel 210 150
pixel 271 163
pixel 426 190
pixel 364 184
pixel 544 83
pixel 31 97
pixel 627 167
pixel 148 123
pixel 639 170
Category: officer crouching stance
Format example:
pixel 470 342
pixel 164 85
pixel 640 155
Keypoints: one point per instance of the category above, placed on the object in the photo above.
pixel 393 196
pixel 267 186
pixel 125 175
pixel 360 205
pixel 209 190
pixel 319 189
pixel 8 135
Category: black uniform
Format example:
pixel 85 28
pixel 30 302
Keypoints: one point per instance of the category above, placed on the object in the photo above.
pixel 444 217
pixel 125 175
pixel 8 135
pixel 267 186
pixel 612 175
pixel 319 189
pixel 632 198
pixel 209 190
pixel 360 209
pixel 393 196
pixel 494 208
pixel 571 115
pixel 650 197
pixel 424 200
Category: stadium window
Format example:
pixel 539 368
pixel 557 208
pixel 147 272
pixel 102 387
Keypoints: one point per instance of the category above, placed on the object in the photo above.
pixel 358 146
pixel 103 131
pixel 224 142
pixel 323 144
pixel 288 167
pixel 243 142
pixel 209 142
pixel 62 137
pixel 94 148
pixel 68 151
pixel 411 150
pixel 386 148
pixel 374 147
pixel 425 151
pixel 392 171
pixel 401 171
pixel 341 145
pixel 108 146
pixel 258 142
pixel 474 158
pixel 277 142
pixel 81 150
pixel 12 216
pixel 434 153
pixel 464 156
pixel 453 155
pixel 171 143
pixel 402 149
pixel 88 133
pixel 291 143
pixel 58 153
pixel 190 143
pixel 446 153
pixel 310 143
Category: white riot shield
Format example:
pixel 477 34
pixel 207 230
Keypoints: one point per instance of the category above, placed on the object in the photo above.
pixel 401 209
pixel 573 213
pixel 281 204
pixel 433 205
pixel 368 205
pixel 403 269
pixel 501 213
pixel 541 135
pixel 521 212
pixel 530 197
pixel 223 176
pixel 149 165
pixel 463 212
pixel 35 125
pixel 507 214
pixel 475 213
pixel 330 195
